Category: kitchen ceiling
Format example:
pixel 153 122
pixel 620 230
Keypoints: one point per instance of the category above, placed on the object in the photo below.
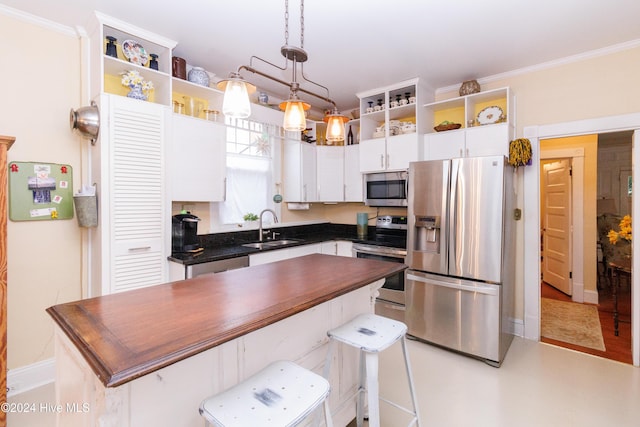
pixel 357 45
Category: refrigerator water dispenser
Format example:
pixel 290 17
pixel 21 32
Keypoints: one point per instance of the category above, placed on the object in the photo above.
pixel 427 229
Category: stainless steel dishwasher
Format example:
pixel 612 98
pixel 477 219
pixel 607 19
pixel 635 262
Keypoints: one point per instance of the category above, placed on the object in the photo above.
pixel 196 270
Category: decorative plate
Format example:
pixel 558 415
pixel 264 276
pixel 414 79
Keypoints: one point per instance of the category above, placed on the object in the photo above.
pixel 490 115
pixel 134 52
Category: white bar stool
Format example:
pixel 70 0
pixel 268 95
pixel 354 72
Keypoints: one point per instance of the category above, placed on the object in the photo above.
pixel 282 394
pixel 372 334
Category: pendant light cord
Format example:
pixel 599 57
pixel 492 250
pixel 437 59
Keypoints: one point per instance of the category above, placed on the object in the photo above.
pixel 301 24
pixel 286 23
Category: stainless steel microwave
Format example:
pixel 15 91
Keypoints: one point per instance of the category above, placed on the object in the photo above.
pixel 386 189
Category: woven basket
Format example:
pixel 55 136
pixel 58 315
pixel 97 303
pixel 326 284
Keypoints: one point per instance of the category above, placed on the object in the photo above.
pixel 451 126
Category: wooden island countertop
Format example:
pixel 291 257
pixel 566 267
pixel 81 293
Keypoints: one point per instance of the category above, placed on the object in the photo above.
pixel 130 334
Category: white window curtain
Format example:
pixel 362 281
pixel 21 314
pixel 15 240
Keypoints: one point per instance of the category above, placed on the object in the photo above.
pixel 249 186
pixel 251 148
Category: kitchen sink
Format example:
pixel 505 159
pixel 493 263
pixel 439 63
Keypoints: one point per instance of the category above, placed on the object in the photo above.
pixel 271 243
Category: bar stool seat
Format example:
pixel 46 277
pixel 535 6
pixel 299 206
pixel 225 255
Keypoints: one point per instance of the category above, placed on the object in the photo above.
pixel 372 334
pixel 282 394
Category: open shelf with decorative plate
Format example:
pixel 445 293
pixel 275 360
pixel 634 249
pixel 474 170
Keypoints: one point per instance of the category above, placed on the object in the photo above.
pixel 486 119
pixel 106 70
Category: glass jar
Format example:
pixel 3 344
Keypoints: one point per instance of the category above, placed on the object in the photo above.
pixel 211 115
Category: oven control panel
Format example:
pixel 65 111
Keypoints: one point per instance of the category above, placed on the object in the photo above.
pixel 392 221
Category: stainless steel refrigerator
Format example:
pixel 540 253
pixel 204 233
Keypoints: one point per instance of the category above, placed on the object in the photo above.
pixel 460 252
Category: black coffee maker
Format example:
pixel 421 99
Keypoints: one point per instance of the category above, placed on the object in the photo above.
pixel 184 236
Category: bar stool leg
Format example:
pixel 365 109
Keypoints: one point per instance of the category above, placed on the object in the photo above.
pixel 327 414
pixel 412 389
pixel 373 389
pixel 361 391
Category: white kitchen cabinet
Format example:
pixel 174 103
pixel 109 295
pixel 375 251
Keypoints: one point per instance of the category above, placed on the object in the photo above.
pixel 285 253
pixel 473 142
pixel 444 145
pixel 299 172
pixel 129 247
pixel 329 247
pixel 472 139
pixel 386 142
pixel 344 248
pixel 338 174
pixel 330 173
pixel 197 162
pixel 353 183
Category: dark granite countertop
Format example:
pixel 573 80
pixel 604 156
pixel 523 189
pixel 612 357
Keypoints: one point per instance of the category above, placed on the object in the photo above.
pixel 221 246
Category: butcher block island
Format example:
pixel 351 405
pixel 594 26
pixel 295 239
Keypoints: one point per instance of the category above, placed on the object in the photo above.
pixel 150 356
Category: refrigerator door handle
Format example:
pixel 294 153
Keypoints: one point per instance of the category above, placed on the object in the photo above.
pixel 481 289
pixel 453 216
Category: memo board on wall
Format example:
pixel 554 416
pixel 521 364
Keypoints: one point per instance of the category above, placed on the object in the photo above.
pixel 40 191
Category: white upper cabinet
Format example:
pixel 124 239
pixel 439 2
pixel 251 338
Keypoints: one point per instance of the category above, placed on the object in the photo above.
pixel 353 183
pixel 339 177
pixel 330 171
pixel 299 172
pixel 197 163
pixel 391 125
pixel 487 125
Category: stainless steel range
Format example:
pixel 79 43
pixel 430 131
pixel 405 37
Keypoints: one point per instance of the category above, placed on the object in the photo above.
pixel 388 244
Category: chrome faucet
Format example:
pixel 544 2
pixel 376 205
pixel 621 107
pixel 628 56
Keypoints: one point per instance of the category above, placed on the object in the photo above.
pixel 275 220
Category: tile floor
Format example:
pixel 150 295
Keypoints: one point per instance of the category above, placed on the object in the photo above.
pixel 537 385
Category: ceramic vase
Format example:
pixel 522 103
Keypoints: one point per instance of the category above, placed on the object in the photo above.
pixel 469 87
pixel 137 93
pixel 198 76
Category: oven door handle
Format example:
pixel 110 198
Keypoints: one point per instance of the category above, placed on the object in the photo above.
pixel 367 251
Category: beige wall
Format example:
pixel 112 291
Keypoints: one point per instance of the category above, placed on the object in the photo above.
pixel 40 75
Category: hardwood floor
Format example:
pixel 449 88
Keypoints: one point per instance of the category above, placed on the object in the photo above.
pixel 617 347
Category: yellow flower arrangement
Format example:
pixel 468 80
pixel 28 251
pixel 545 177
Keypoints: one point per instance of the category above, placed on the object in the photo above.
pixel 625 231
pixel 133 78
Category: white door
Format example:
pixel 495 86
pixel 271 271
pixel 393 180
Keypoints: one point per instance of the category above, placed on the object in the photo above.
pixel 625 191
pixel 556 226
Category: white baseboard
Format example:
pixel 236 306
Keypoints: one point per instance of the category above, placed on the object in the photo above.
pixel 516 327
pixel 591 297
pixel 31 376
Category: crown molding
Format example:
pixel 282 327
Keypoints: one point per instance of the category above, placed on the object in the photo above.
pixel 550 64
pixel 36 20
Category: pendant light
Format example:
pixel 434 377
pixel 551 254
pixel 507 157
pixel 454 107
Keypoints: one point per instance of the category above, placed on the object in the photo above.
pixel 295 109
pixel 294 113
pixel 235 103
pixel 335 126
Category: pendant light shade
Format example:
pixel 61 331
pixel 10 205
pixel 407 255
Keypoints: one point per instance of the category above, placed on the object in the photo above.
pixel 294 114
pixel 235 103
pixel 335 126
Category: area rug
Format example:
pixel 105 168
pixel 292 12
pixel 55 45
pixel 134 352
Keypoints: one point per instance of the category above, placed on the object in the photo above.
pixel 572 323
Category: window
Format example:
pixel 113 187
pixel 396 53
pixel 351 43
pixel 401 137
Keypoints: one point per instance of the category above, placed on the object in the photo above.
pixel 251 149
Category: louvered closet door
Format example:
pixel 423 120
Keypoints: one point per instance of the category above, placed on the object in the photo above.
pixel 137 132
